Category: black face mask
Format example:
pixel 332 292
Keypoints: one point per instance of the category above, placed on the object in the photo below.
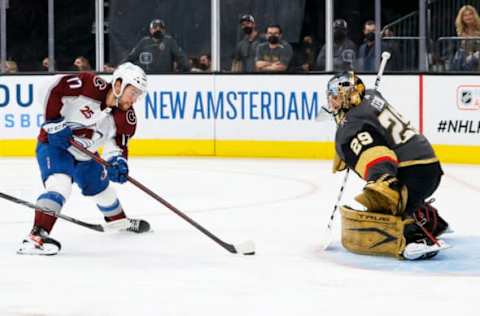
pixel 203 66
pixel 370 36
pixel 157 35
pixel 273 39
pixel 339 35
pixel 247 30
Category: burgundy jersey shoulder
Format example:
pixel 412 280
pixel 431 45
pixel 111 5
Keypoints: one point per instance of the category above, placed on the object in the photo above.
pixel 125 121
pixel 94 86
pixel 125 124
pixel 86 84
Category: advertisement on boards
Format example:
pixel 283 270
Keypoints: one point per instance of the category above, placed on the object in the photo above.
pixel 452 110
pixel 215 107
pixel 21 105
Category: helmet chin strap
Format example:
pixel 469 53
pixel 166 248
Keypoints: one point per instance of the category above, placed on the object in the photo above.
pixel 117 96
pixel 339 115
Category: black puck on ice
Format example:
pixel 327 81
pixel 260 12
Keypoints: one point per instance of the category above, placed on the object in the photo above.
pixel 249 253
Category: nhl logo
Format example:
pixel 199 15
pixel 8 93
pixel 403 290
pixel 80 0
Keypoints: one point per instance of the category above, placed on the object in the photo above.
pixel 467 97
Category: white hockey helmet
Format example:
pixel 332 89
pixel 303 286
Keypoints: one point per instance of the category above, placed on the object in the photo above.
pixel 129 74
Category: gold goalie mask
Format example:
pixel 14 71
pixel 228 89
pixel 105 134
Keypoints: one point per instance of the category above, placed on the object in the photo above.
pixel 344 91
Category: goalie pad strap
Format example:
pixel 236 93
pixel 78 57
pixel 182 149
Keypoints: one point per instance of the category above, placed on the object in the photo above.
pixel 386 195
pixel 373 233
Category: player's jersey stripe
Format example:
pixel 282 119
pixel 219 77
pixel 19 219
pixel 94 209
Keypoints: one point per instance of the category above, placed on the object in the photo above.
pixel 371 155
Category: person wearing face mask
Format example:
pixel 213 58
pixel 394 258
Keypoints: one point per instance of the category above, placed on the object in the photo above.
pixel 344 50
pixel 275 54
pixel 366 52
pixel 159 52
pixel 304 57
pixel 244 56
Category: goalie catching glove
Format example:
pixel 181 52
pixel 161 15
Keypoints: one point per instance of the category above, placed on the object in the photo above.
pixel 384 195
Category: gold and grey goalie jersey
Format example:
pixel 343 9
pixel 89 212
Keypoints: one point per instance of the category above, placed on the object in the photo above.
pixel 374 138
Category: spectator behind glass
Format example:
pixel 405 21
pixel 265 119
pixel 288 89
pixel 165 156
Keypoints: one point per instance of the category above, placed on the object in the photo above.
pixel 81 64
pixel 275 54
pixel 467 24
pixel 344 50
pixel 110 68
pixel 304 56
pixel 366 51
pixel 244 56
pixel 45 64
pixel 205 62
pixel 159 52
pixel 11 67
pixel 194 63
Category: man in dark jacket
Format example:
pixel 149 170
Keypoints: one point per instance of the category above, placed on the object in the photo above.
pixel 244 56
pixel 344 50
pixel 159 52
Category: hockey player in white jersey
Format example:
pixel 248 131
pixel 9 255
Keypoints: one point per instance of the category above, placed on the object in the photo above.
pixel 86 108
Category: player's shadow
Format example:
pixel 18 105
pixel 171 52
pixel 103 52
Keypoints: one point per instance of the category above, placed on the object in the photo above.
pixel 462 259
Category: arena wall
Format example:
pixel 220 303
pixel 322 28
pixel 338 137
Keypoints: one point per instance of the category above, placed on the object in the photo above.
pixel 256 115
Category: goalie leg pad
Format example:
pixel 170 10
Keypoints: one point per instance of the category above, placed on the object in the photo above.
pixel 373 233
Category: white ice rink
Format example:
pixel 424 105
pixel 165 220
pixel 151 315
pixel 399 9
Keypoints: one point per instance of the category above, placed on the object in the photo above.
pixel 283 205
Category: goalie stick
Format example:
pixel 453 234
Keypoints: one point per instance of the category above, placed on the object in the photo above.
pixel 245 248
pixel 96 227
pixel 327 235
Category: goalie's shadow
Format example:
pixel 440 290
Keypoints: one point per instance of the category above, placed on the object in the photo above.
pixel 462 259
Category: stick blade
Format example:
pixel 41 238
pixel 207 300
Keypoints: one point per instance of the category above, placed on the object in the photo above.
pixel 326 238
pixel 246 248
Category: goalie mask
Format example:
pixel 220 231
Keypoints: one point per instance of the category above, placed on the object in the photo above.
pixel 344 91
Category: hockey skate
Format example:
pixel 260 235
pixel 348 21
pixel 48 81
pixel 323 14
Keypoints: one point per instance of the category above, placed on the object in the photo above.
pixel 129 224
pixel 39 243
pixel 423 249
pixel 138 226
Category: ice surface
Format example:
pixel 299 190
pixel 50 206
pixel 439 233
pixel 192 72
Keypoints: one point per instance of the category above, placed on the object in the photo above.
pixel 282 205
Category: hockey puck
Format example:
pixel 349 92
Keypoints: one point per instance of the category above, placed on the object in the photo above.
pixel 249 253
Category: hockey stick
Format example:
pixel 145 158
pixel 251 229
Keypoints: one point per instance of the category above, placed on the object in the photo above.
pixel 96 227
pixel 245 248
pixel 327 235
pixel 383 63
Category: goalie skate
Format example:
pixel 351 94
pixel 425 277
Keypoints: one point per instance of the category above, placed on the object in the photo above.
pixel 39 243
pixel 423 249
